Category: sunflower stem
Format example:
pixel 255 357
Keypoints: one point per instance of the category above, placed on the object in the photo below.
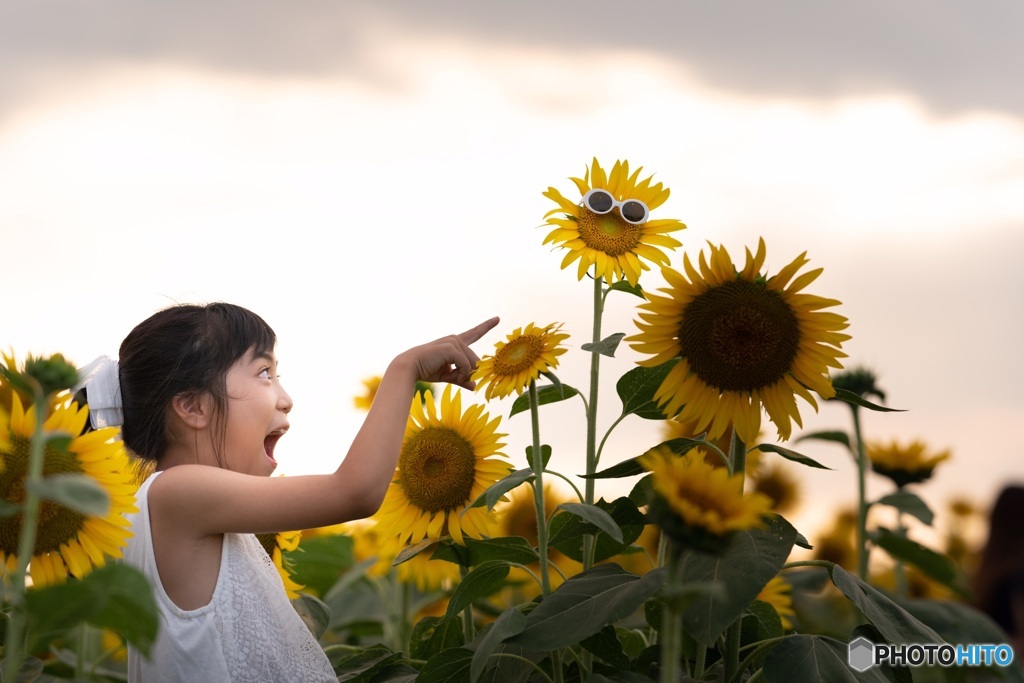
pixel 15 640
pixel 900 570
pixel 671 637
pixel 738 457
pixel 731 655
pixel 468 628
pixel 538 491
pixel 83 646
pixel 595 367
pixel 862 496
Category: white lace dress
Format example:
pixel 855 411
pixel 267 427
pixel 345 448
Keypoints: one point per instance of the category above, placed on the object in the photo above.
pixel 248 632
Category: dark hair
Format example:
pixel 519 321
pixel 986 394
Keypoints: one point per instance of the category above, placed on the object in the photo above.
pixel 1000 574
pixel 185 348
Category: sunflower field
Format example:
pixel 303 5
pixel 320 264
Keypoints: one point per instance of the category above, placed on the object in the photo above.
pixel 473 570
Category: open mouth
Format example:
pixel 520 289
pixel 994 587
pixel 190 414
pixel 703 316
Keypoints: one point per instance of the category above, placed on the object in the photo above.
pixel 269 442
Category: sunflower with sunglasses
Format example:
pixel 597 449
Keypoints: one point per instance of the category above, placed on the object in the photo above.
pixel 610 227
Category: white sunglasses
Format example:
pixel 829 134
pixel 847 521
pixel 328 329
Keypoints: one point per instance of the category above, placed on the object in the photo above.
pixel 601 201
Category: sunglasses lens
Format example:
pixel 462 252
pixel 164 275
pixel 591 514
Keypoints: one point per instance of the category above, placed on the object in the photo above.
pixel 634 211
pixel 599 201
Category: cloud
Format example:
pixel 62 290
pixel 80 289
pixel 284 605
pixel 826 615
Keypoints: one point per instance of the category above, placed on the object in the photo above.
pixel 954 55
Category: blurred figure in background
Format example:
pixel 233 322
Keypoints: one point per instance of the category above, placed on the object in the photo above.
pixel 999 580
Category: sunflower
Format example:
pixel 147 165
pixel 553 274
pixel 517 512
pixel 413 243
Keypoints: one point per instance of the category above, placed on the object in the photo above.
pixel 698 503
pixel 370 384
pixel 743 341
pixel 778 483
pixel 520 359
pixel 904 464
pixel 276 545
pixel 839 543
pixel 777 594
pixel 67 541
pixel 445 464
pixel 607 241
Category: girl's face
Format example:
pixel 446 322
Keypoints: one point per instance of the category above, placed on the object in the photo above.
pixel 257 414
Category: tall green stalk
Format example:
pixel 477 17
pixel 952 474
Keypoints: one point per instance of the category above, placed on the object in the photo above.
pixel 671 637
pixel 14 648
pixel 731 656
pixel 537 465
pixel 862 496
pixel 595 367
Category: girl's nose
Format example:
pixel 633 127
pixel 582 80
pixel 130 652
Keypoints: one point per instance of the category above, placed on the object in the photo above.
pixel 284 400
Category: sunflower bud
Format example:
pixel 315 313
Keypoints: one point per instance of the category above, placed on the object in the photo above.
pixel 860 381
pixel 53 374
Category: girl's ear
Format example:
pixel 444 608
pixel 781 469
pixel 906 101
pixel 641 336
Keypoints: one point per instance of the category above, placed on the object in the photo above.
pixel 193 409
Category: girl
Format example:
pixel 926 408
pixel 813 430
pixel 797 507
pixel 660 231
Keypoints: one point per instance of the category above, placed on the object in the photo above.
pixel 201 399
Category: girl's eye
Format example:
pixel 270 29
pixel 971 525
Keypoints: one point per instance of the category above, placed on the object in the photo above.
pixel 265 372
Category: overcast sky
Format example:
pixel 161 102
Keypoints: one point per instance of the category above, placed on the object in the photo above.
pixel 368 176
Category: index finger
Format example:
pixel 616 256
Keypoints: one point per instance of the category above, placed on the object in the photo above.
pixel 472 334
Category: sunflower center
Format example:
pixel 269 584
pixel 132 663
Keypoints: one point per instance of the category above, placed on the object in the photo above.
pixel 739 336
pixel 608 232
pixel 518 355
pixel 705 500
pixel 438 468
pixel 57 524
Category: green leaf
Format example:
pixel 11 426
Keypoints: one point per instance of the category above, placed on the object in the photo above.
pixel 856 399
pixel 433 634
pixel 800 657
pixel 631 467
pixel 626 468
pixel 349 577
pixel 510 623
pixel 767 621
pixel 321 562
pixel 495 491
pixel 74 491
pixel 605 347
pixel 935 565
pixel 411 551
pixel 545 395
pixel 749 561
pixel 596 516
pixel 568 530
pixel 505 548
pixel 896 624
pixel 481 581
pixel 624 286
pixel 556 383
pixel 116 596
pixel 791 455
pixel 962 624
pixel 363 666
pixel 447 666
pixel 545 455
pixel 829 435
pixel 585 604
pixel 315 614
pixel 605 645
pixel 910 503
pixel 637 387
